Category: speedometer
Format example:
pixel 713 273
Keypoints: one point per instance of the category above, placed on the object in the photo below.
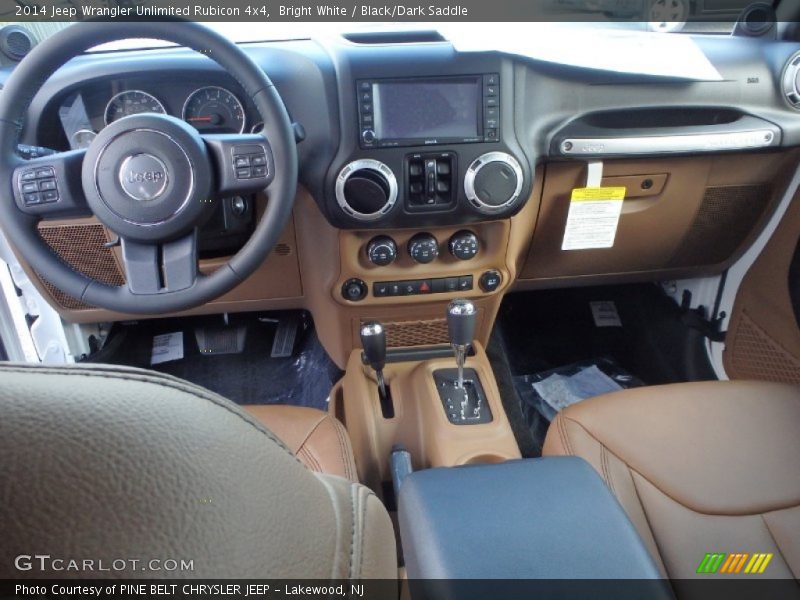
pixel 132 102
pixel 214 110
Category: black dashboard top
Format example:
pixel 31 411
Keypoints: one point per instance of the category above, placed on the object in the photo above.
pixel 492 116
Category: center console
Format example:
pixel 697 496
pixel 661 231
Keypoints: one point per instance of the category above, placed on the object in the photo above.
pixel 440 404
pixel 552 520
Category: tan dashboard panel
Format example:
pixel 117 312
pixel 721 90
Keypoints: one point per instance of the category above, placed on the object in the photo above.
pixel 686 215
pixel 277 283
pixel 763 339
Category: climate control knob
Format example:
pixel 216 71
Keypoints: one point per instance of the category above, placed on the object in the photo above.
pixel 423 248
pixel 366 189
pixel 464 245
pixel 493 182
pixel 382 250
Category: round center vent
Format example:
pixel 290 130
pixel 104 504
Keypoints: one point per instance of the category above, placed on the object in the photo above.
pixel 366 189
pixel 790 83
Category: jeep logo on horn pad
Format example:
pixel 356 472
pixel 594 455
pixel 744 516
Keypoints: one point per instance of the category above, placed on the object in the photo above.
pixel 143 177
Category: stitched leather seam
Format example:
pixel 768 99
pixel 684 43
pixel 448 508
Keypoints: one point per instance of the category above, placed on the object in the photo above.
pixel 352 532
pixel 737 514
pixel 562 433
pixel 780 552
pixel 649 524
pixel 311 432
pixel 144 377
pixel 343 450
pixel 607 468
pixel 363 530
pixel 309 460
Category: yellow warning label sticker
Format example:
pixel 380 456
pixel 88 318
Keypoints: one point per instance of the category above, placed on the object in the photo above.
pixel 593 217
pixel 598 193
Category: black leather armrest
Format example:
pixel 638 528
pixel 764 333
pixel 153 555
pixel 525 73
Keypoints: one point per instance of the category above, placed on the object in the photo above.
pixel 550 518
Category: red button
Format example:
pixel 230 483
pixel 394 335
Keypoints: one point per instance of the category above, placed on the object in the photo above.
pixel 424 288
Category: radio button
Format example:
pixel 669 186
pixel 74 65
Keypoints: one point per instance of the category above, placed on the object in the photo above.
pixel 492 79
pixel 491 102
pixel 368 136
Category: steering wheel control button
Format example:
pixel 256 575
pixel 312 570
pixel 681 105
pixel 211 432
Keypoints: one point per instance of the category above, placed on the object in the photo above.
pixel 490 281
pixel 464 245
pixel 423 248
pixel 250 162
pixel 382 251
pixel 354 290
pixel 38 186
pixel 144 177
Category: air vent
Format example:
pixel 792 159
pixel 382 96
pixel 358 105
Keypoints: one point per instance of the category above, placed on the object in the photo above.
pixel 756 20
pixel 395 37
pixel 15 42
pixel 789 82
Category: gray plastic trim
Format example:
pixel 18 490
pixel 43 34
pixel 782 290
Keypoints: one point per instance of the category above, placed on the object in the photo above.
pixel 375 165
pixel 703 142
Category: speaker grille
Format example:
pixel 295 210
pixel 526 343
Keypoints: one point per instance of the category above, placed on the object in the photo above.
pixel 725 218
pixel 81 247
pixel 403 334
pixel 753 354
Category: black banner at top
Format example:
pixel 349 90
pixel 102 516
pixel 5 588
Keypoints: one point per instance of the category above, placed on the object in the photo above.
pixel 375 10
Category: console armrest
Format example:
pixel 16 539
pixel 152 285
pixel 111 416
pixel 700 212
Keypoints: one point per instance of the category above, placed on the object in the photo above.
pixel 549 518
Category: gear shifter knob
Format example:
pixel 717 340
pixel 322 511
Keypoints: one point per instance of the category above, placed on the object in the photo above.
pixel 373 340
pixel 461 318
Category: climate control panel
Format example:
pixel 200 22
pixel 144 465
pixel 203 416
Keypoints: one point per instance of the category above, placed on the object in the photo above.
pixel 422 248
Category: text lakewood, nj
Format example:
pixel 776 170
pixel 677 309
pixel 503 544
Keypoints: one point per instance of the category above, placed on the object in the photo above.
pixel 255 10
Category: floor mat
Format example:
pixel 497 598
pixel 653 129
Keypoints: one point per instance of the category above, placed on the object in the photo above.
pixel 250 377
pixel 550 329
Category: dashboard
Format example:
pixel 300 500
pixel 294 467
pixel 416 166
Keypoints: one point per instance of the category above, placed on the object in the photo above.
pixel 431 173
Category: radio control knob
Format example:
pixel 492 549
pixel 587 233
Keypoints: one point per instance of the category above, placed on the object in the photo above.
pixel 464 245
pixel 493 182
pixel 368 136
pixel 382 250
pixel 423 248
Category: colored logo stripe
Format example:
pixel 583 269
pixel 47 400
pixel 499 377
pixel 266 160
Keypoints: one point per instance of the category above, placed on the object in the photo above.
pixel 758 564
pixel 734 563
pixel 710 563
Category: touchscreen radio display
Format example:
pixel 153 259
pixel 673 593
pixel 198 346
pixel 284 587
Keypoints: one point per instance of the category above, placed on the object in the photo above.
pixel 419 109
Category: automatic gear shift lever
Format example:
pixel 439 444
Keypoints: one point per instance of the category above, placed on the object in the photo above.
pixel 461 317
pixel 373 340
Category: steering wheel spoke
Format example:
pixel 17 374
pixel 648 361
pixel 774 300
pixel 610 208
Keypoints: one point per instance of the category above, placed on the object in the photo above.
pixel 243 163
pixel 50 186
pixel 160 268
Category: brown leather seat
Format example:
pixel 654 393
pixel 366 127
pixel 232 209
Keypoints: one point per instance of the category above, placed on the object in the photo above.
pixel 319 440
pixel 700 467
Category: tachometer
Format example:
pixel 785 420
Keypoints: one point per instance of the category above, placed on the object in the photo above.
pixel 132 102
pixel 214 110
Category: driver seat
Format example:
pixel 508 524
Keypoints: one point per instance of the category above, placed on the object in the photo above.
pixel 116 467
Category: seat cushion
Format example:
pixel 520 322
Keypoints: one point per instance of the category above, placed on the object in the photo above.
pixel 700 467
pixel 319 440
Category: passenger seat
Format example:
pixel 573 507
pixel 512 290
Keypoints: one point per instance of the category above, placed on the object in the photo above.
pixel 699 467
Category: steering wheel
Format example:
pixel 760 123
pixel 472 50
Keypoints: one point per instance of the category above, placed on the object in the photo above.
pixel 152 179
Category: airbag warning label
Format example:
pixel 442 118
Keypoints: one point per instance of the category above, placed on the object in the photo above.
pixel 593 218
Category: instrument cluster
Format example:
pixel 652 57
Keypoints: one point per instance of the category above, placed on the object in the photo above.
pixel 209 108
